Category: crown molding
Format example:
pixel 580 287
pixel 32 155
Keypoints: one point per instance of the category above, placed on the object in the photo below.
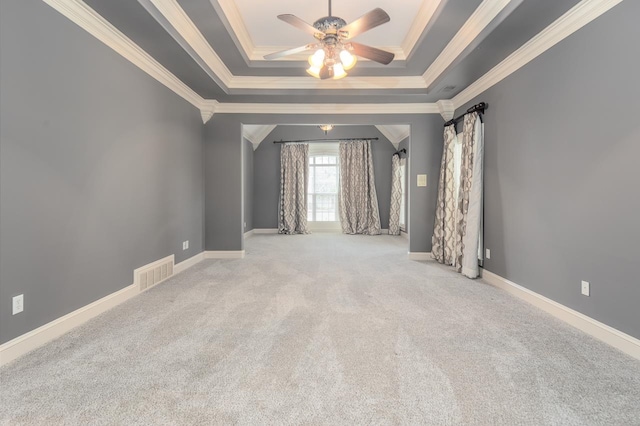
pixel 237 27
pixel 257 136
pixel 395 137
pixel 89 20
pixel 206 112
pixel 309 83
pixel 319 109
pixel 387 134
pixel 425 15
pixel 472 28
pixel 446 109
pixel 576 18
pixel 187 29
pixel 85 17
pixel 178 18
pixel 258 53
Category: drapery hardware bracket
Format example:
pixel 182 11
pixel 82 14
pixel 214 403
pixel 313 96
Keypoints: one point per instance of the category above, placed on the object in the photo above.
pixel 328 140
pixel 478 107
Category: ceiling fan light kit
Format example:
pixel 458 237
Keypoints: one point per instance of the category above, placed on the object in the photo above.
pixel 335 54
pixel 326 128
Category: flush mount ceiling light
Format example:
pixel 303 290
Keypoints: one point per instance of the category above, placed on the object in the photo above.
pixel 335 54
pixel 326 128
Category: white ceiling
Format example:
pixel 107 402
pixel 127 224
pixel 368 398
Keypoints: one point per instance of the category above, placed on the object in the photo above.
pixel 260 19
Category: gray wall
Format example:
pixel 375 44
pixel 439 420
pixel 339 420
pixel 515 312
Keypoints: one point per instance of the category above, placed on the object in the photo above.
pixel 100 168
pixel 266 174
pixel 267 168
pixel 404 144
pixel 561 180
pixel 247 184
pixel 223 159
pixel 223 186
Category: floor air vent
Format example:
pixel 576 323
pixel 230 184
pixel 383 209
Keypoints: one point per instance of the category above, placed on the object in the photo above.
pixel 154 273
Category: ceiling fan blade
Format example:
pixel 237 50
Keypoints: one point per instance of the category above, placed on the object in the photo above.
pixel 280 54
pixel 375 54
pixel 300 24
pixel 365 22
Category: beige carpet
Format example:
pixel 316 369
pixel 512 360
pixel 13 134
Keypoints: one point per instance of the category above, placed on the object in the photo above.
pixel 323 329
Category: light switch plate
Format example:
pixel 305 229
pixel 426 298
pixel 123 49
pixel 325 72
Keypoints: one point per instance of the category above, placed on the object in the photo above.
pixel 487 253
pixel 18 304
pixel 585 288
pixel 422 180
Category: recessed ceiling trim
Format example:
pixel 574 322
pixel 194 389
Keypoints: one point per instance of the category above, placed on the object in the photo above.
pixel 576 18
pixel 306 83
pixel 477 22
pixel 178 18
pixel 259 52
pixel 187 29
pixel 236 26
pixel 92 22
pixel 425 15
pixel 316 109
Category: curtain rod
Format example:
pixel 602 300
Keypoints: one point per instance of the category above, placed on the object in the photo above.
pixel 328 140
pixel 478 107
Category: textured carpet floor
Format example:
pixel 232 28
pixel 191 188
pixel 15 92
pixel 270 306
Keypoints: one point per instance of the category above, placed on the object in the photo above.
pixel 323 329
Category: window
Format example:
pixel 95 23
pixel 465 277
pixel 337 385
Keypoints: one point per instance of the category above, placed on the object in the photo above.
pixel 322 202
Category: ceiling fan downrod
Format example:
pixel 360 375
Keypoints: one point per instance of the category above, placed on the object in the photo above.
pixel 329 7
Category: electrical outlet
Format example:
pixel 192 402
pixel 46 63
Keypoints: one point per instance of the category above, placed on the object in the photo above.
pixel 487 253
pixel 18 304
pixel 586 290
pixel 187 244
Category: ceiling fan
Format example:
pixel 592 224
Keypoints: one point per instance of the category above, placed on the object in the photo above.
pixel 335 52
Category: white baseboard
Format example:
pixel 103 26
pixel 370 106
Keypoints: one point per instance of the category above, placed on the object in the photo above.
pixel 188 263
pixel 248 233
pixel 616 338
pixel 224 254
pixel 56 328
pixel 265 230
pixel 44 334
pixel 420 255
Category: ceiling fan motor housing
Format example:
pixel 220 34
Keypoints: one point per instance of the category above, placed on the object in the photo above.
pixel 329 24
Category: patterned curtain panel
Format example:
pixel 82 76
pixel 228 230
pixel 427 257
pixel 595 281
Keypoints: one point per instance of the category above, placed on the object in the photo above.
pixel 396 195
pixel 294 177
pixel 443 241
pixel 469 213
pixel 358 200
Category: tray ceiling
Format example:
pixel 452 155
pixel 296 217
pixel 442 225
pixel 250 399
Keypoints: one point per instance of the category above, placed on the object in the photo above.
pixel 214 48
